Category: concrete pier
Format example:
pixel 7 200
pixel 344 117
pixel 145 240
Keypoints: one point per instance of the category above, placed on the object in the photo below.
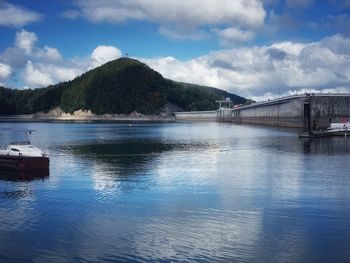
pixel 307 111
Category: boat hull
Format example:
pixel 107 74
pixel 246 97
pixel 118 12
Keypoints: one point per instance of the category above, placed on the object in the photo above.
pixel 24 163
pixel 15 176
pixel 327 133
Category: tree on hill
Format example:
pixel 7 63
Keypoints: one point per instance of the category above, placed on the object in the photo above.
pixel 121 86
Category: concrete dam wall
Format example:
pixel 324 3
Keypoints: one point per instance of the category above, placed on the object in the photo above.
pixel 308 111
pixel 196 115
pixel 220 115
pixel 326 109
pixel 288 112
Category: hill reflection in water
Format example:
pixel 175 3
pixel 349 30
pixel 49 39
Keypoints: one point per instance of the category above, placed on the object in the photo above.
pixel 180 192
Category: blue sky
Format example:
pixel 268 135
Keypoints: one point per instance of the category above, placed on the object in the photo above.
pixel 255 48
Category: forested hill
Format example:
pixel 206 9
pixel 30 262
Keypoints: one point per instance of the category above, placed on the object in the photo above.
pixel 120 86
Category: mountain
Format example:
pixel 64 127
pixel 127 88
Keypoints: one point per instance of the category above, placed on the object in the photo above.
pixel 120 86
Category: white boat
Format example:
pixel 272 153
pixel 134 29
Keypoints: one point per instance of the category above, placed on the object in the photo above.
pixel 334 129
pixel 339 127
pixel 21 154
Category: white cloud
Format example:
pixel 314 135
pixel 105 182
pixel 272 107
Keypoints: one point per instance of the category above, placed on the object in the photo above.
pixel 42 74
pixel 49 53
pixel 34 76
pixel 270 95
pixel 61 73
pixel 102 54
pixel 46 66
pixel 177 18
pixel 234 35
pixel 254 72
pixel 16 16
pixel 26 41
pixel 13 57
pixel 190 12
pixel 5 71
pixel 267 71
pixel 288 47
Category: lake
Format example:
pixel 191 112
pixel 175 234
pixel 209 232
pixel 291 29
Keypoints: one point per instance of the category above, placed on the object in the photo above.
pixel 179 192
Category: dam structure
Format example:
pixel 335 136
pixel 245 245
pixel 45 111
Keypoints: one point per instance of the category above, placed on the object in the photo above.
pixel 310 111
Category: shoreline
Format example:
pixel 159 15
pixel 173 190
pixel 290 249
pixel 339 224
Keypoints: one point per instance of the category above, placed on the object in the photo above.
pixel 26 118
pixel 57 115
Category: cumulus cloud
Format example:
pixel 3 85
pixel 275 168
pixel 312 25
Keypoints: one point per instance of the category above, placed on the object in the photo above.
pixel 102 54
pixel 13 57
pixel 5 71
pixel 26 41
pixel 36 77
pixel 49 53
pixel 176 19
pixel 191 12
pixel 256 72
pixel 234 35
pixel 40 67
pixel 41 74
pixel 16 16
pixel 25 54
pixel 44 73
pixel 267 71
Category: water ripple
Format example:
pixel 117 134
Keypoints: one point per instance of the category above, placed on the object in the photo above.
pixel 180 192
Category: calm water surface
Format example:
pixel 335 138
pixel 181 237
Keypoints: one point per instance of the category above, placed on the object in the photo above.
pixel 180 192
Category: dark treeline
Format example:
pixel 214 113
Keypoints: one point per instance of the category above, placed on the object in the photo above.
pixel 120 86
pixel 30 101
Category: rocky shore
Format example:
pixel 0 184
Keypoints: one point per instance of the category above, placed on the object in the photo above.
pixel 86 115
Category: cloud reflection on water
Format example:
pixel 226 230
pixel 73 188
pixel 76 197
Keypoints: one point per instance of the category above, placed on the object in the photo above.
pixel 186 192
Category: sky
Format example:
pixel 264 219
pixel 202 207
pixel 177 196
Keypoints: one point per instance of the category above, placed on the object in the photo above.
pixel 259 49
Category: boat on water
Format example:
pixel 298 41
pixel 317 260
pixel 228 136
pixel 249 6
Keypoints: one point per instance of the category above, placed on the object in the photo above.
pixel 335 129
pixel 341 128
pixel 20 154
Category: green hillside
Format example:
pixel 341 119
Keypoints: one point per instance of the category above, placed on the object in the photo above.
pixel 120 86
pixel 191 97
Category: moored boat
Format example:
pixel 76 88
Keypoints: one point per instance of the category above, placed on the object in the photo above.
pixel 335 129
pixel 339 127
pixel 21 155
